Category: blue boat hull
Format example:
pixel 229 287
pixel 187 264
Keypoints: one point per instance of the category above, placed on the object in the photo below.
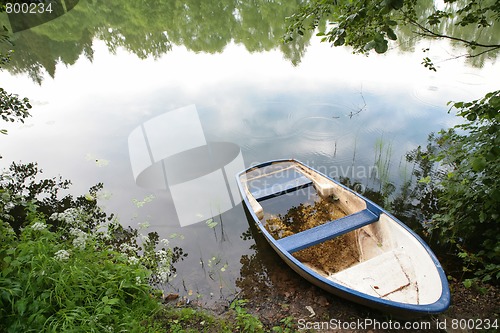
pixel 291 244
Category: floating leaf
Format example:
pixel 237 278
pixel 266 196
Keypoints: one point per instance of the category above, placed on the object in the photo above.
pixel 211 223
pixel 176 235
pixel 140 203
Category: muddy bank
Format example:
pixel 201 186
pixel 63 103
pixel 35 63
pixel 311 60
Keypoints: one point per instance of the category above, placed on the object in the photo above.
pixel 310 306
pixel 280 293
pixel 312 309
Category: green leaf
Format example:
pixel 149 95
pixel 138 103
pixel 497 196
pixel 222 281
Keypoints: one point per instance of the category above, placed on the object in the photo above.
pixel 339 41
pixel 478 163
pixel 113 301
pixel 425 180
pixel 21 307
pixel 467 283
pixel 381 47
pixel 471 116
pixel 391 34
pixel 397 4
pixel 495 102
pixel 370 45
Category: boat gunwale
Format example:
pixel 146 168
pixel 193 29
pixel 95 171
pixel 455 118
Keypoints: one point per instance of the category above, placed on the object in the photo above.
pixel 440 305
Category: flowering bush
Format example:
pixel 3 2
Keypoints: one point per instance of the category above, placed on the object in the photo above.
pixel 67 266
pixel 51 285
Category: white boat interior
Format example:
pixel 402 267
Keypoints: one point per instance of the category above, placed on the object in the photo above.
pixel 366 251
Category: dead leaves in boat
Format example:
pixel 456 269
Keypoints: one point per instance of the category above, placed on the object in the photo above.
pixel 303 217
pixel 327 257
pixel 331 256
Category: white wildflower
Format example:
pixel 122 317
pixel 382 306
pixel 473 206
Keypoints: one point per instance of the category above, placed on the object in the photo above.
pixel 163 276
pixel 105 235
pixel 125 248
pixel 61 255
pixel 38 226
pixel 162 256
pixel 71 216
pixel 165 241
pixel 133 260
pixel 80 242
pixel 80 239
pixel 138 280
pixel 75 232
pixel 9 205
pixel 163 270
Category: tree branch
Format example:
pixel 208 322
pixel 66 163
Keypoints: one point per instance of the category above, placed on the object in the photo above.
pixel 429 33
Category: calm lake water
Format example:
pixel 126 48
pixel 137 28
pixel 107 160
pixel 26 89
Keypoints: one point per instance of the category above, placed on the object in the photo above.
pixel 159 107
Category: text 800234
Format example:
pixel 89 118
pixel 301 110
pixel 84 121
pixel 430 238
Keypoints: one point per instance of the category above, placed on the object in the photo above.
pixel 28 7
pixel 26 14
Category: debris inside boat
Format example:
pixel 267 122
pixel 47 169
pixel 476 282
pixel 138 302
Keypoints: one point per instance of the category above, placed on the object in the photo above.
pixel 328 257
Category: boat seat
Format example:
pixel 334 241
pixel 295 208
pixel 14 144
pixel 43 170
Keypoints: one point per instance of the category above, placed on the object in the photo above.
pixel 327 231
pixel 389 275
pixel 282 188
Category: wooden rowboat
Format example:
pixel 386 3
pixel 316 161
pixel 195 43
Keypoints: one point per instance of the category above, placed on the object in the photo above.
pixel 343 242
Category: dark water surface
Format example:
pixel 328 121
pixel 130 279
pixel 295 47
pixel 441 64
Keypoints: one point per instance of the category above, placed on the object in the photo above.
pixel 165 109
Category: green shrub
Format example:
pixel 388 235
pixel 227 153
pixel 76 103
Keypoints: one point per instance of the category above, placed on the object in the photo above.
pixel 51 285
pixel 67 266
pixel 55 282
pixel 460 172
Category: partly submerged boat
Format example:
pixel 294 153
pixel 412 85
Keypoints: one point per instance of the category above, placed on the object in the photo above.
pixel 343 242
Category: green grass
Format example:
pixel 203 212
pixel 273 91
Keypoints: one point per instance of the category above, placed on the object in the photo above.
pixel 47 285
pixel 236 319
pixel 65 266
